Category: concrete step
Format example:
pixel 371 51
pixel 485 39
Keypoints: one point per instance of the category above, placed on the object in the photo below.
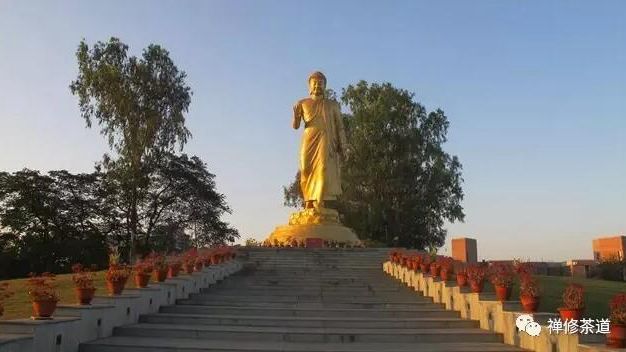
pixel 304 300
pixel 422 312
pixel 306 334
pixel 273 290
pixel 284 298
pixel 327 294
pixel 308 285
pixel 270 284
pixel 149 344
pixel 307 277
pixel 317 322
pixel 304 304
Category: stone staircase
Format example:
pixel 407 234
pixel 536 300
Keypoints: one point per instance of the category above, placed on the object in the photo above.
pixel 304 300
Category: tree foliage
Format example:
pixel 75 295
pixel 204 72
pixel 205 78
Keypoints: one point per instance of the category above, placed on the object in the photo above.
pixel 143 196
pixel 182 196
pixel 48 222
pixel 399 185
pixel 140 106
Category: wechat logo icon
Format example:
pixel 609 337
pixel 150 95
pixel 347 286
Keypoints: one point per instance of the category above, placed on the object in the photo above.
pixel 526 323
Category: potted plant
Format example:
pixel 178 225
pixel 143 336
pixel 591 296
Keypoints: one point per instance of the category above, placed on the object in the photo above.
pixel 160 267
pixel 174 266
pixel 574 301
pixel 216 257
pixel 461 275
pixel 502 279
pixel 199 264
pixel 143 270
pixel 84 288
pixel 116 278
pixel 407 261
pixel 476 277
pixel 435 269
pixel 522 268
pixel 617 330
pixel 393 254
pixel 447 268
pixel 432 256
pixel 425 265
pixel 43 294
pixel 189 261
pixel 397 257
pixel 4 294
pixel 207 257
pixel 417 262
pixel 117 274
pixel 529 293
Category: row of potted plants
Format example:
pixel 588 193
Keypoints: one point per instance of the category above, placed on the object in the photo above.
pixel 295 243
pixel 42 289
pixel 160 267
pixel 503 276
pixel 5 293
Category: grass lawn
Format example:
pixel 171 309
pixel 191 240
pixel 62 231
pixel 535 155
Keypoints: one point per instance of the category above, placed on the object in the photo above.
pixel 19 306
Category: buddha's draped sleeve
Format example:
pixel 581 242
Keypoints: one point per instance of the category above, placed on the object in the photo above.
pixel 341 133
pixel 297 114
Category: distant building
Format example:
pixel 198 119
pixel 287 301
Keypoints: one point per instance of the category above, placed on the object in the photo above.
pixel 580 267
pixel 609 248
pixel 464 250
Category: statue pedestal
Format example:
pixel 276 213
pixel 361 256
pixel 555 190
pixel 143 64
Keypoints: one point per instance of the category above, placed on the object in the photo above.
pixel 309 223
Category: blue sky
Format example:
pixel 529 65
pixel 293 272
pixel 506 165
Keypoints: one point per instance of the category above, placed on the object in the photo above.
pixel 535 92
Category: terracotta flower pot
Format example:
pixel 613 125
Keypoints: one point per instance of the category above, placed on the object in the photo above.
pixel 477 286
pixel 141 280
pixel 445 275
pixel 570 314
pixel 529 303
pixel 84 295
pixel 617 336
pixel 188 268
pixel 173 271
pixel 461 279
pixel 435 270
pixel 44 309
pixel 503 293
pixel 115 287
pixel 159 275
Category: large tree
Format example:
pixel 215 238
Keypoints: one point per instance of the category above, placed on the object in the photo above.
pixel 48 222
pixel 140 105
pixel 183 206
pixel 399 184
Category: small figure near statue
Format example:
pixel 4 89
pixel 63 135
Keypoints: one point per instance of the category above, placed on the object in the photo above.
pixel 321 153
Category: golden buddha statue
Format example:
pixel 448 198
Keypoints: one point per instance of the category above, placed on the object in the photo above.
pixel 321 153
pixel 323 143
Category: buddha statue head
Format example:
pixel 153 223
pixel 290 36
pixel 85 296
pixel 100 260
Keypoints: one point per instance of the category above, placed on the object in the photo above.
pixel 317 84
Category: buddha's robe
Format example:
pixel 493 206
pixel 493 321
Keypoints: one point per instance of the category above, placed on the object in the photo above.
pixel 323 143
